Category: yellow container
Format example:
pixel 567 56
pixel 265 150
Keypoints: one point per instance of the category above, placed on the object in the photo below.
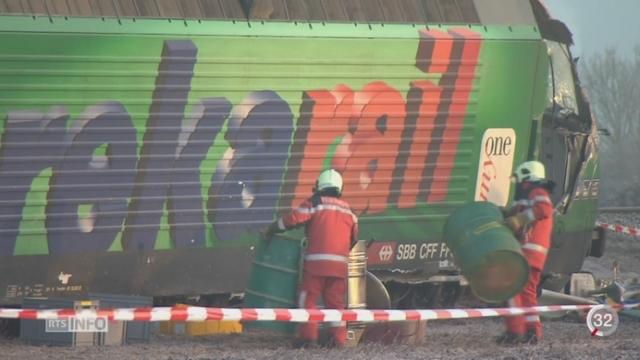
pixel 213 327
pixel 173 327
pixel 199 328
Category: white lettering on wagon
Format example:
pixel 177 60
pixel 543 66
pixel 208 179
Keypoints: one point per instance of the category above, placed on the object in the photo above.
pixel 424 251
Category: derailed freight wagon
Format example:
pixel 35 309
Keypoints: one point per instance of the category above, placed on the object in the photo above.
pixel 145 143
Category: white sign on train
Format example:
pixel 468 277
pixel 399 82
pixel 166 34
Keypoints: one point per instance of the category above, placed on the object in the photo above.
pixel 386 251
pixel 496 162
pixel 426 251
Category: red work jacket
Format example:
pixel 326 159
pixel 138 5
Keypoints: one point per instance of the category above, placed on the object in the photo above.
pixel 331 228
pixel 536 236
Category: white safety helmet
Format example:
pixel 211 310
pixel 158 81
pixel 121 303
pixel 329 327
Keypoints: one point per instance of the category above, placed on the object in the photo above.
pixel 329 179
pixel 529 171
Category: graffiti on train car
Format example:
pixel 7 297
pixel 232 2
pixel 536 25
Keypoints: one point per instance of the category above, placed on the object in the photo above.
pixel 400 148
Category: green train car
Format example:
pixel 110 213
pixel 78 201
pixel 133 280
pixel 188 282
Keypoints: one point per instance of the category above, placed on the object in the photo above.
pixel 143 144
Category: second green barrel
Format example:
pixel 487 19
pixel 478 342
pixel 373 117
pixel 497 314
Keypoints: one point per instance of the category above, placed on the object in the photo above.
pixel 486 251
pixel 273 282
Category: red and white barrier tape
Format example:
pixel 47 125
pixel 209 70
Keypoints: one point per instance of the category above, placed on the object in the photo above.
pixel 194 313
pixel 630 230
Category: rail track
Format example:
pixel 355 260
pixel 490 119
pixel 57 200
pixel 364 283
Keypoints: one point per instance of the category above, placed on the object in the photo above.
pixel 619 209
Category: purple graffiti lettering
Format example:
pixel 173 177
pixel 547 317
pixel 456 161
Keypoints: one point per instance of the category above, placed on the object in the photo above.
pixel 248 178
pixel 31 142
pixel 101 181
pixel 186 214
pixel 160 142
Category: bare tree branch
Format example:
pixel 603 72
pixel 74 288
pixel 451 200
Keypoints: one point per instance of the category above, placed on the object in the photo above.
pixel 613 85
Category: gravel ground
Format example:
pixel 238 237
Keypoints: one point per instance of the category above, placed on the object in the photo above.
pixel 453 339
pixel 619 247
pixel 566 338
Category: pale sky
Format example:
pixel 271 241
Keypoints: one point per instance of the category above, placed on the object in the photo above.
pixel 596 24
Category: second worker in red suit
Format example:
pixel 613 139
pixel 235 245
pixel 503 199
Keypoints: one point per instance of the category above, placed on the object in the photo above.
pixel 331 229
pixel 531 220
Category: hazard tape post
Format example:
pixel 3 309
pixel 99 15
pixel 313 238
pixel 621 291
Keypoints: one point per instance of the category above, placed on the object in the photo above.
pixel 194 313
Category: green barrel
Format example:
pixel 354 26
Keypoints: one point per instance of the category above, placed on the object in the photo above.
pixel 486 251
pixel 273 282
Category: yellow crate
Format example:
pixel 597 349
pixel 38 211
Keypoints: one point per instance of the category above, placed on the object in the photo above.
pixel 172 327
pixel 198 328
pixel 213 327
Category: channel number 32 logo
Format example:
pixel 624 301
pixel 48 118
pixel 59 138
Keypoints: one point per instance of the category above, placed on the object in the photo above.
pixel 602 320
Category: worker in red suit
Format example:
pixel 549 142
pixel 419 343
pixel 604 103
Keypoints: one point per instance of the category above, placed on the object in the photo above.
pixel 331 230
pixel 531 220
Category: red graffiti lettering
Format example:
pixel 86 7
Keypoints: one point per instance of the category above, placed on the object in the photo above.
pixel 461 73
pixel 428 96
pixel 390 151
pixel 441 113
pixel 321 123
pixel 434 51
pixel 380 113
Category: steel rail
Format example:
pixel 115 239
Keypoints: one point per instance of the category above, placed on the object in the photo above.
pixel 619 209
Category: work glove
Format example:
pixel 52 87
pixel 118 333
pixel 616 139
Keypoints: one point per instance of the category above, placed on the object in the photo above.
pixel 268 232
pixel 505 211
pixel 516 223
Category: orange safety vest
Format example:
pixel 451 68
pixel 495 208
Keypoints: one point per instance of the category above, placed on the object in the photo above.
pixel 536 237
pixel 331 227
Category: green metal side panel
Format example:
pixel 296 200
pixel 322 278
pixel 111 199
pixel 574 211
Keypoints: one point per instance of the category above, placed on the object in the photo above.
pixel 155 137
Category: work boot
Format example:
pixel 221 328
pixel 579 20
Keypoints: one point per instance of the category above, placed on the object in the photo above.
pixel 509 338
pixel 530 338
pixel 304 344
pixel 333 344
